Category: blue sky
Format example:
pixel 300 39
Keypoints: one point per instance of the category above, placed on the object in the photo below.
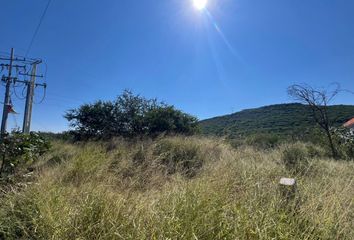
pixel 240 54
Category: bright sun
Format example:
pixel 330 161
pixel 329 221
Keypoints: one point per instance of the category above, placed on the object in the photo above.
pixel 200 4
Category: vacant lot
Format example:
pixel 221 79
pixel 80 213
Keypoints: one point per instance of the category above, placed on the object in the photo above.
pixel 178 188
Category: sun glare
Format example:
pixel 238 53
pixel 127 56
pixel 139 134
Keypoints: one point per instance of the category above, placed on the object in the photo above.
pixel 200 4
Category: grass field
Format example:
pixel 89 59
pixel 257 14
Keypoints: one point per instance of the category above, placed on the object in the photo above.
pixel 177 188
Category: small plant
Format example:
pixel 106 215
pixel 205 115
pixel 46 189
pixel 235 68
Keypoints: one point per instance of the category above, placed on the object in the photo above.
pixel 18 148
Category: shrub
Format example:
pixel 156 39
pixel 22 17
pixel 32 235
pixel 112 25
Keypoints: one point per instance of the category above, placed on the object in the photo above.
pixel 169 120
pixel 50 136
pixel 295 159
pixel 179 156
pixel 18 148
pixel 344 141
pixel 236 142
pixel 314 151
pixel 349 151
pixel 346 150
pixel 128 116
pixel 263 141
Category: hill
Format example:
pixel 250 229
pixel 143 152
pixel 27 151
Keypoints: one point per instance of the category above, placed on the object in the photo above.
pixel 280 119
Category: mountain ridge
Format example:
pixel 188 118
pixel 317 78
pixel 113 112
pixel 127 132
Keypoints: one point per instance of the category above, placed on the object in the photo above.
pixel 280 119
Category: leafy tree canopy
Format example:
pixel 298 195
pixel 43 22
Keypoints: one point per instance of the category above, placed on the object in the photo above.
pixel 129 115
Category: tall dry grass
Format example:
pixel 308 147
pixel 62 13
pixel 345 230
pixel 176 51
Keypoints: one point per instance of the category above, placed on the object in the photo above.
pixel 177 188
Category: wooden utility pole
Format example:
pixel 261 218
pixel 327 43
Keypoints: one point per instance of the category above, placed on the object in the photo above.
pixel 7 105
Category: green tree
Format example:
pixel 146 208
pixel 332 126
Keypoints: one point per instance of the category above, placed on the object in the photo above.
pixel 128 116
pixel 92 120
pixel 168 119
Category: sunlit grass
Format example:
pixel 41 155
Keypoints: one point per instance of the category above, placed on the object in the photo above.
pixel 143 190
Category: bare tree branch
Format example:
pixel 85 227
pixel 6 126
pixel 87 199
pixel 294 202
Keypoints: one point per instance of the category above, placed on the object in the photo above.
pixel 318 101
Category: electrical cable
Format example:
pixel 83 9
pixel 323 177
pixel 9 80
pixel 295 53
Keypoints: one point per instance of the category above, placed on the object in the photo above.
pixel 14 90
pixel 38 26
pixel 19 84
pixel 44 95
pixel 23 90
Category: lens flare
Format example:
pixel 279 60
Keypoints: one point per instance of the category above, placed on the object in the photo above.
pixel 200 4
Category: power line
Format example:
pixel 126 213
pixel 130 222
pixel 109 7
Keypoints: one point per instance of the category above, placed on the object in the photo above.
pixel 14 91
pixel 14 82
pixel 38 26
pixel 43 97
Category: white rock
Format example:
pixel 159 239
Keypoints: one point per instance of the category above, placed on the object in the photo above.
pixel 287 181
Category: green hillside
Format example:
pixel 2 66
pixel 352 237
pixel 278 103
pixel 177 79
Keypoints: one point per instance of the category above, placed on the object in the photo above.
pixel 281 119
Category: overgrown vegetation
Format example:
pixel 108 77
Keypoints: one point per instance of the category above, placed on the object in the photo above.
pixel 344 141
pixel 20 149
pixel 296 159
pixel 136 174
pixel 128 116
pixel 263 141
pixel 180 188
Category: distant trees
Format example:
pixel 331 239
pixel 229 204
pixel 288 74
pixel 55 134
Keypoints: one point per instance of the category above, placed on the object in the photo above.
pixel 318 101
pixel 128 116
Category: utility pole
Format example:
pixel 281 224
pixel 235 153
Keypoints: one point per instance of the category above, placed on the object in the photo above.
pixel 29 97
pixel 30 84
pixel 29 101
pixel 5 111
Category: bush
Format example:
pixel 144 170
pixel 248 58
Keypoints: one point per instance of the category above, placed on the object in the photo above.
pixel 18 148
pixel 314 151
pixel 179 156
pixel 128 116
pixel 62 136
pixel 344 141
pixel 236 142
pixel 169 120
pixel 263 141
pixel 295 159
pixel 346 150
